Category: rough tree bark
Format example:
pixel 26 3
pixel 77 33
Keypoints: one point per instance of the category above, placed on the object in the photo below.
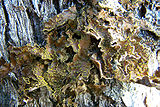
pixel 105 23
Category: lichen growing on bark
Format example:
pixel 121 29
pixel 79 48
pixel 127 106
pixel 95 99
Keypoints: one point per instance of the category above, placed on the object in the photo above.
pixel 86 46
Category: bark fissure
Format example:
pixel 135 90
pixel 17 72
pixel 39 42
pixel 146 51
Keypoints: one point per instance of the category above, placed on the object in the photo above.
pixel 6 34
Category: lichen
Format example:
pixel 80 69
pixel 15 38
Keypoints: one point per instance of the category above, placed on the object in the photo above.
pixel 83 47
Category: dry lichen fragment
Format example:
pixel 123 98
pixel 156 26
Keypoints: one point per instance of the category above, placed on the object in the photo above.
pixel 4 68
pixel 133 61
pixel 60 19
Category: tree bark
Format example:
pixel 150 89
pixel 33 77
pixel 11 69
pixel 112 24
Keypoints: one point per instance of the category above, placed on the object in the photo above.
pixel 24 22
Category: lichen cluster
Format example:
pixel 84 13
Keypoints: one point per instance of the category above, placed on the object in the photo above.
pixel 84 46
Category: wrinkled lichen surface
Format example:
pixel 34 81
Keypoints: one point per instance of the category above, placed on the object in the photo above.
pixel 89 47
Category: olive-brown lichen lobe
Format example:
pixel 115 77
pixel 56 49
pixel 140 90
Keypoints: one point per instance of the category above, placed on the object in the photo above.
pixel 83 48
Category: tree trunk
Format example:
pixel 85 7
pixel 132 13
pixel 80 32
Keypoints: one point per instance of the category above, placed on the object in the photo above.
pixel 84 53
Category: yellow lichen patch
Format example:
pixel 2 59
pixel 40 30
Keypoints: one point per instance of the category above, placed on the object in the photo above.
pixel 38 72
